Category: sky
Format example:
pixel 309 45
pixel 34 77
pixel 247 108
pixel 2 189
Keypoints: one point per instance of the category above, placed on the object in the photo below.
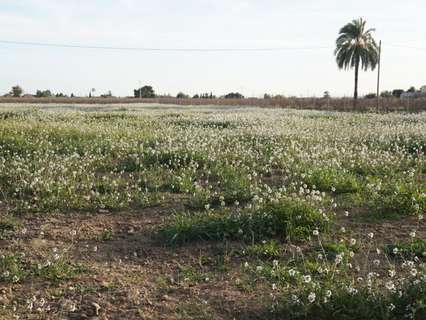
pixel 309 24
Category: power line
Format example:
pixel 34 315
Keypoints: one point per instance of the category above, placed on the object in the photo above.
pixel 406 47
pixel 148 49
pixel 154 49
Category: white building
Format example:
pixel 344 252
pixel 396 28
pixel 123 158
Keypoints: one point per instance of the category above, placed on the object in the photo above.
pixel 423 89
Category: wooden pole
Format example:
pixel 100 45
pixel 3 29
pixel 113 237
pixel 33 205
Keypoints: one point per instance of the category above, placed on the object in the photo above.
pixel 378 76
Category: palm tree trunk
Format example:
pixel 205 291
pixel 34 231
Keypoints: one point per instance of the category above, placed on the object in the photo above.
pixel 356 82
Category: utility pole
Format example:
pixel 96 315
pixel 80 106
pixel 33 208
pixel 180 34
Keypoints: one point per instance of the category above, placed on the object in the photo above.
pixel 378 76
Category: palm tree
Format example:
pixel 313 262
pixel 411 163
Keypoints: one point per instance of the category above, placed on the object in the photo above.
pixel 356 46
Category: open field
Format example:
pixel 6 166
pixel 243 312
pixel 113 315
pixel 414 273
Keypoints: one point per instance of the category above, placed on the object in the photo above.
pixel 333 104
pixel 211 212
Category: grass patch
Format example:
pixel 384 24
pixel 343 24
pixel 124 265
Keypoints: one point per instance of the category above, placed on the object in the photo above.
pixel 407 250
pixel 396 199
pixel 17 268
pixel 105 235
pixel 356 305
pixel 332 249
pixel 288 219
pixel 265 250
pixel 333 180
pixel 8 226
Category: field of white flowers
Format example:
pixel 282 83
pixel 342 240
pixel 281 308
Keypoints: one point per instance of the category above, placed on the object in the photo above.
pixel 156 212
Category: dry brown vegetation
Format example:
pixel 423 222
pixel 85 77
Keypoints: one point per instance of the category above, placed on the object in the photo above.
pixel 336 104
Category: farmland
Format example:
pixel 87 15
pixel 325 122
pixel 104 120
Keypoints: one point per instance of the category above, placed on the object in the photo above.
pixel 211 212
pixel 324 104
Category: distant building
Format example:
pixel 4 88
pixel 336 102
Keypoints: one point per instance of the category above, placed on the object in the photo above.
pixel 412 95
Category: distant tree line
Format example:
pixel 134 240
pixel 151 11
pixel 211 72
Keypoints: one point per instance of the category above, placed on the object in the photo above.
pixel 148 91
pixel 204 96
pixel 396 93
pixel 17 92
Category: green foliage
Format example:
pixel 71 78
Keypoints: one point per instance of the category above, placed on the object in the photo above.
pixel 200 199
pixel 43 94
pixel 397 198
pixel 8 225
pixel 330 179
pixel 359 305
pixel 233 185
pixel 265 250
pixel 332 249
pixel 386 94
pixel 407 250
pixel 190 274
pixel 288 219
pixel 371 96
pixel 17 91
pixel 17 268
pixel 12 268
pixel 173 159
pixel 57 271
pixel 106 235
pixel 182 95
pixel 356 47
pixel 77 160
pixel 234 95
pixel 144 92
pixel 397 93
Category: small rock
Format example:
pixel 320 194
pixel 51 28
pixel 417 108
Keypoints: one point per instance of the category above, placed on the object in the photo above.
pixel 97 307
pixel 170 299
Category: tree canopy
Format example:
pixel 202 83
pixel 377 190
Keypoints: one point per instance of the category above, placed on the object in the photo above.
pixel 355 48
pixel 145 92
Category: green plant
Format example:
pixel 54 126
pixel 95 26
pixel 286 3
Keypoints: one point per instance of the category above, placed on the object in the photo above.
pixel 288 219
pixel 356 47
pixel 268 249
pixel 397 198
pixel 57 270
pixel 13 268
pixel 333 180
pixel 199 199
pixel 106 235
pixel 8 226
pixel 17 268
pixel 407 250
pixel 357 304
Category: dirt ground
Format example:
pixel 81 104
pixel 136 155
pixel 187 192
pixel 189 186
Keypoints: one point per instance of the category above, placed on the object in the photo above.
pixel 130 274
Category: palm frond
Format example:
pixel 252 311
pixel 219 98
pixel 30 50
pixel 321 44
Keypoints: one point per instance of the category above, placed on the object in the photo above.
pixel 355 45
